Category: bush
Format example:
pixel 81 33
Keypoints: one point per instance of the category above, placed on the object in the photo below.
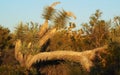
pixel 5 38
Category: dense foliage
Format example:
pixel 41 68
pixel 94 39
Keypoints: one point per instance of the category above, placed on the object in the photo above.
pixel 5 38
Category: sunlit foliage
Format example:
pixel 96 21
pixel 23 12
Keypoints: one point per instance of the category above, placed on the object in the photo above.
pixel 33 40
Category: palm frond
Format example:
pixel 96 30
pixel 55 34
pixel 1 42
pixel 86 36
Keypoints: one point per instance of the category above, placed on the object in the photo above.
pixel 60 19
pixel 47 36
pixel 84 58
pixel 43 29
pixel 48 13
pixel 70 14
pixel 18 54
pixel 54 4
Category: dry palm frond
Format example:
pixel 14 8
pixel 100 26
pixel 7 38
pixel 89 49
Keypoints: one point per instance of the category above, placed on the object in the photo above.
pixel 84 58
pixel 43 29
pixel 61 19
pixel 54 4
pixel 49 11
pixel 71 14
pixel 47 36
pixel 18 54
pixel 29 57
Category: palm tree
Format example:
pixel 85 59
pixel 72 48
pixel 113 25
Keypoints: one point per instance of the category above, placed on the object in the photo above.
pixel 55 59
pixel 84 58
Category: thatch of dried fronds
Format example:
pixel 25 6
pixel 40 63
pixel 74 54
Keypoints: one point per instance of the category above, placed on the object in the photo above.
pixel 54 4
pixel 84 58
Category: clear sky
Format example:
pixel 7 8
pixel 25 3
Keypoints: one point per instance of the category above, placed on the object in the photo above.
pixel 14 11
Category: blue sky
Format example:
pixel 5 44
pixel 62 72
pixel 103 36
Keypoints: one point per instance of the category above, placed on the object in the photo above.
pixel 12 12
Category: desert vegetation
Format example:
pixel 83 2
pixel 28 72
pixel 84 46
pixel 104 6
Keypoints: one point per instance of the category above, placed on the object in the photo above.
pixel 56 47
